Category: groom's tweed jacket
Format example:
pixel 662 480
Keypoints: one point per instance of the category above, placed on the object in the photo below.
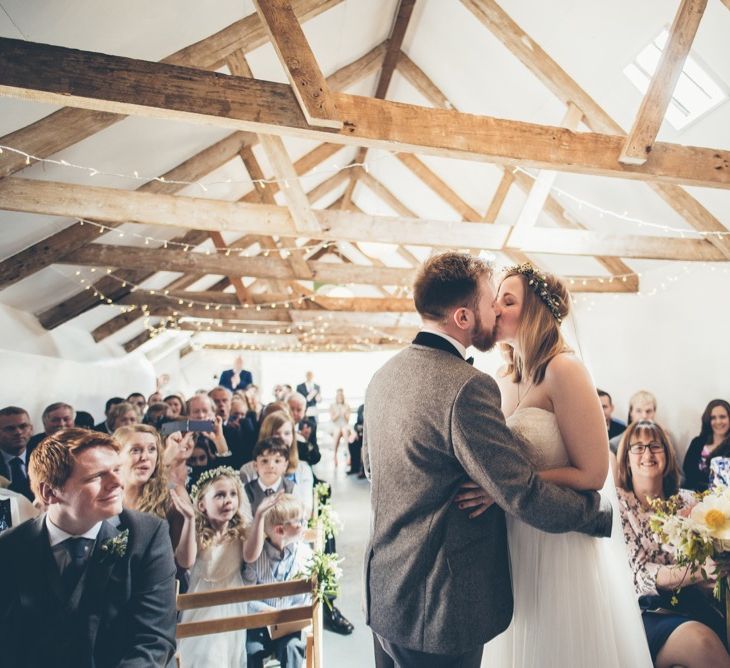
pixel 436 581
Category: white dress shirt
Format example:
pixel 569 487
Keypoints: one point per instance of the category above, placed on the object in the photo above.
pixel 56 536
pixel 457 344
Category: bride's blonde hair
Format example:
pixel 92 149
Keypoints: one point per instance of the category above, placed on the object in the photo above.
pixel 539 336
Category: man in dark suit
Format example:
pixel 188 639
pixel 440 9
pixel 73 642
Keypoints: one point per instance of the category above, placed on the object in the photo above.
pixel 86 584
pixel 615 427
pixel 311 392
pixel 58 415
pixel 437 583
pixel 104 425
pixel 236 378
pixel 15 432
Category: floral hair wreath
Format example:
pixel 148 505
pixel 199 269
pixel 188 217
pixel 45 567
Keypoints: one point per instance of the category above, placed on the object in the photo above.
pixel 209 475
pixel 538 282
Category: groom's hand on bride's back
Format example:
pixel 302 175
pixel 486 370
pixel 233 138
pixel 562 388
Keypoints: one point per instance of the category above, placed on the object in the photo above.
pixel 473 499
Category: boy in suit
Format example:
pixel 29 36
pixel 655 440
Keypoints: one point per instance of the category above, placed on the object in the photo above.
pixel 271 458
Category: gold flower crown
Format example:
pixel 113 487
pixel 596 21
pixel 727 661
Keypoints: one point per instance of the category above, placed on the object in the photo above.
pixel 538 282
pixel 211 474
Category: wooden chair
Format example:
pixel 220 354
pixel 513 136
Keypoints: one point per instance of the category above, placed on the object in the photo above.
pixel 299 617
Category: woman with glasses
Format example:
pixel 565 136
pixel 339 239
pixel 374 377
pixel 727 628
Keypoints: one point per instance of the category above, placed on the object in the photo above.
pixel 688 634
pixel 713 441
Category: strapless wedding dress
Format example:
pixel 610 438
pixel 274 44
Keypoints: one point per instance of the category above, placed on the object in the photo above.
pixel 575 604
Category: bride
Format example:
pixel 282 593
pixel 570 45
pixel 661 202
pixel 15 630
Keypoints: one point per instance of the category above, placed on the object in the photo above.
pixel 574 603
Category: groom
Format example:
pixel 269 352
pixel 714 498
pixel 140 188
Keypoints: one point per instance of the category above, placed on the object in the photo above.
pixel 437 584
pixel 86 584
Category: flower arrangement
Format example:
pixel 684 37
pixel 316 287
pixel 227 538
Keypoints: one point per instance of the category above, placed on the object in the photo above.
pixel 117 546
pixel 325 568
pixel 702 533
pixel 327 520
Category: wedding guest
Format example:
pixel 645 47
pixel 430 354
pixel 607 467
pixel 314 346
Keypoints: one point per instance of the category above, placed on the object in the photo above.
pixel 280 393
pixel 121 415
pixel 642 406
pixel 615 427
pixel 252 397
pixel 340 415
pixel 271 459
pixel 687 634
pixel 284 554
pixel 178 449
pixel 312 394
pixel 713 441
pixel 221 531
pixel 55 416
pixel 297 406
pixel 236 378
pixel 139 402
pixel 156 414
pixel 84 420
pixel 216 406
pixel 154 398
pixel 200 407
pixel 146 488
pixel 356 445
pixel 93 584
pixel 283 426
pixel 15 432
pixel 14 508
pixel 177 406
pixel 104 426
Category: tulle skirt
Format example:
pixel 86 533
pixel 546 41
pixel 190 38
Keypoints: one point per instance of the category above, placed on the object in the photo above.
pixel 575 604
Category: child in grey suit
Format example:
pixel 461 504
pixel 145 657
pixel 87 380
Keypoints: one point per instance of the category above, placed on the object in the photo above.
pixel 270 459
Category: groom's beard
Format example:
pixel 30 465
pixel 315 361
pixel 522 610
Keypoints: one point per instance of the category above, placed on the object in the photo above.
pixel 483 339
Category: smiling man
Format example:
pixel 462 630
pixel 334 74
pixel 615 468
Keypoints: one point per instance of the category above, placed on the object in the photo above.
pixel 99 580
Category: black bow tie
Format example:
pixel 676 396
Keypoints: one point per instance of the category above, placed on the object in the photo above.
pixel 470 360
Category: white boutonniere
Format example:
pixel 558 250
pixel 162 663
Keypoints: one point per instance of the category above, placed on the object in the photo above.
pixel 117 546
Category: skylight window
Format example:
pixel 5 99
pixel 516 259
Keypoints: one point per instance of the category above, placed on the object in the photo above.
pixel 695 94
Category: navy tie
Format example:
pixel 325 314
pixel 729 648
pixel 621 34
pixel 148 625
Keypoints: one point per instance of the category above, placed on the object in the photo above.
pixel 78 550
pixel 20 482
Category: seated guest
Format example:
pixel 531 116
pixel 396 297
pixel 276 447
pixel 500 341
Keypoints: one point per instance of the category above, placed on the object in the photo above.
pixel 156 414
pixel 146 488
pixel 121 415
pixel 15 432
pixel 200 407
pixel 284 554
pixel 308 451
pixel 236 378
pixel 271 459
pixel 713 441
pixel 92 584
pixel 177 406
pixel 274 407
pixel 104 426
pixel 615 427
pixel 178 449
pixel 642 406
pixel 280 392
pixel 252 397
pixel 139 402
pixel 84 420
pixel 154 398
pixel 687 634
pixel 240 435
pixel 297 405
pixel 282 426
pixel 55 416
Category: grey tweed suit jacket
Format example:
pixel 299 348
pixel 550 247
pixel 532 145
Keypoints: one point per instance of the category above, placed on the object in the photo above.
pixel 436 581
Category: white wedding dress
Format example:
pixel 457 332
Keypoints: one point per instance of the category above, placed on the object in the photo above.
pixel 574 600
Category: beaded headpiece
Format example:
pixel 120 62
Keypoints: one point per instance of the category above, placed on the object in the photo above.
pixel 538 282
pixel 212 474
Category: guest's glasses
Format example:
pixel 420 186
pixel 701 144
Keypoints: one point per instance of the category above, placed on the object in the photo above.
pixel 640 448
pixel 297 523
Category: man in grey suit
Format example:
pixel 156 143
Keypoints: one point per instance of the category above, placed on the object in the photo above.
pixel 437 583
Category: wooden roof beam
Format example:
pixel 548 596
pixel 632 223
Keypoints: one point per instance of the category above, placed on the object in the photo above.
pixel 565 88
pixel 654 106
pixel 41 72
pixel 69 126
pixel 300 65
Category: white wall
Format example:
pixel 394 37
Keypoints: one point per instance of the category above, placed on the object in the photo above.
pixel 40 367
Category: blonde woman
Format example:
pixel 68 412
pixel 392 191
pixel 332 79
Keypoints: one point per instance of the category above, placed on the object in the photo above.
pixel 573 596
pixel 147 489
pixel 340 415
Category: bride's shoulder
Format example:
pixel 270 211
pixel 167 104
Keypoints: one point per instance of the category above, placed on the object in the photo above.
pixel 565 368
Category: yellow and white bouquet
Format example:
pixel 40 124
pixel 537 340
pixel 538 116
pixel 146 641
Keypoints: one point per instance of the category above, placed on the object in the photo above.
pixel 701 533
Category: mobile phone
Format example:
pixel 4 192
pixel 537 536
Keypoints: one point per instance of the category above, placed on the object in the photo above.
pixel 186 425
